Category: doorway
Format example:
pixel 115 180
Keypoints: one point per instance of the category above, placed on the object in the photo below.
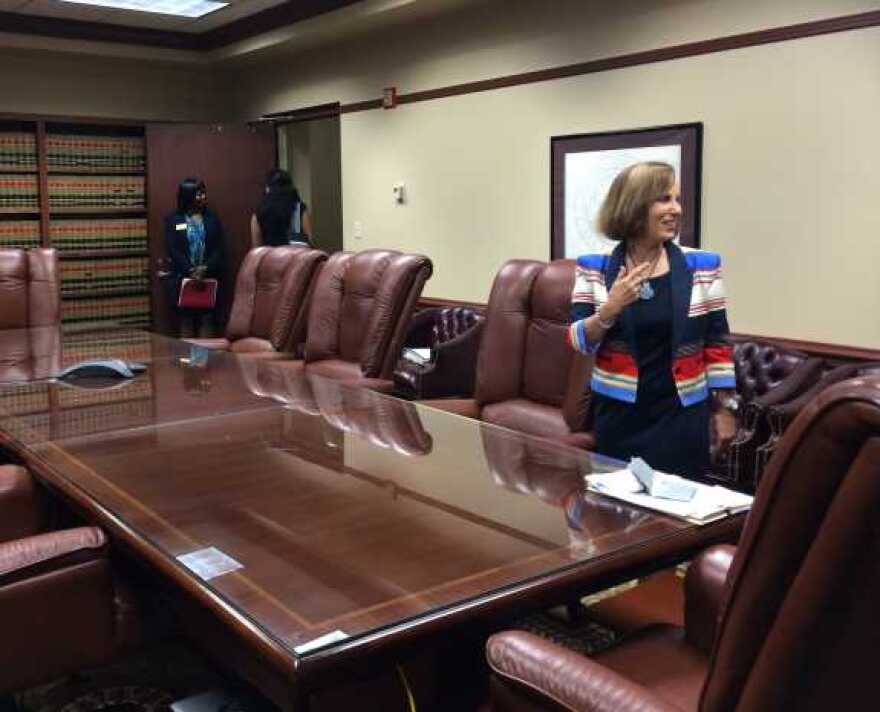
pixel 311 151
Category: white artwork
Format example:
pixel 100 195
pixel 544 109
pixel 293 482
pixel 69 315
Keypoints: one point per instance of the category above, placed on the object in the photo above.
pixel 588 176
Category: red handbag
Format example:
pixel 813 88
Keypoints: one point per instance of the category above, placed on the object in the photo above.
pixel 197 293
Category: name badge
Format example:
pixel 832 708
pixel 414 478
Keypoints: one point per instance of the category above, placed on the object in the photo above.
pixel 180 226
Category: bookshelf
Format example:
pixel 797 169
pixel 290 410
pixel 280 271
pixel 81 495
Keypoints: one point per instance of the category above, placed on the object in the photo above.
pixel 81 188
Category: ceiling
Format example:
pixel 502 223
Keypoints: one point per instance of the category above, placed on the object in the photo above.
pixel 236 10
pixel 241 19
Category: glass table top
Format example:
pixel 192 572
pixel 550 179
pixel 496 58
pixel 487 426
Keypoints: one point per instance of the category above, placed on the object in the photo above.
pixel 320 512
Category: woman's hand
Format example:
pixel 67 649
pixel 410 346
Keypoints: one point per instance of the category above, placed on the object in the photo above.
pixel 723 430
pixel 625 289
pixel 199 272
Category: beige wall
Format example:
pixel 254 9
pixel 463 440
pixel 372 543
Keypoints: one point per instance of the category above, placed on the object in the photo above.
pixel 67 84
pixel 790 146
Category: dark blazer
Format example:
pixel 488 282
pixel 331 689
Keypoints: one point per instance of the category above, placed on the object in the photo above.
pixel 178 247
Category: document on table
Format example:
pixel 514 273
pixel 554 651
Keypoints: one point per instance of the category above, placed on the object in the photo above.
pixel 709 504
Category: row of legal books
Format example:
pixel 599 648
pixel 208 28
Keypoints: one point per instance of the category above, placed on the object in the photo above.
pixel 112 153
pixel 127 345
pixel 132 310
pixel 99 234
pixel 18 150
pixel 117 274
pixel 96 191
pixel 22 234
pixel 19 191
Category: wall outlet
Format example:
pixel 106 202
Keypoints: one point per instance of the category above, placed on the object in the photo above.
pixel 358 230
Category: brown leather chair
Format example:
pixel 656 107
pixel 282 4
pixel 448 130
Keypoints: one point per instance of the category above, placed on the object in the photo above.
pixel 781 415
pixel 766 374
pixel 453 335
pixel 60 607
pixel 785 621
pixel 359 313
pixel 272 291
pixel 30 294
pixel 528 378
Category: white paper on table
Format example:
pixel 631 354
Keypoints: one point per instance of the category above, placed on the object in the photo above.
pixel 711 502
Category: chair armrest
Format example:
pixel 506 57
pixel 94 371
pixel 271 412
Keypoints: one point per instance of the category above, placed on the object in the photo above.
pixel 529 666
pixel 35 555
pixel 704 588
pixel 58 608
pixel 22 509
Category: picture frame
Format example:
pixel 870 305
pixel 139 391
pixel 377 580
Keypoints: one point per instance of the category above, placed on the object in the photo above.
pixel 582 167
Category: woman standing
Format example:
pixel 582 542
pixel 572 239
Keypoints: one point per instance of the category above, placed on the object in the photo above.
pixel 194 240
pixel 654 316
pixel 282 218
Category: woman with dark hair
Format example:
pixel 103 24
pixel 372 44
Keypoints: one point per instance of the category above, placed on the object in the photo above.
pixel 194 240
pixel 282 218
pixel 653 315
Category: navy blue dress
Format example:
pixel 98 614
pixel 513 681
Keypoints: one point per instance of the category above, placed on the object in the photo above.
pixel 657 428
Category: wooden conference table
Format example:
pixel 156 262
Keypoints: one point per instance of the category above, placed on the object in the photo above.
pixel 312 528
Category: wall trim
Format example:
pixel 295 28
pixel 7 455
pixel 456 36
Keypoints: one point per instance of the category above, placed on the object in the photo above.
pixel 833 352
pixel 814 28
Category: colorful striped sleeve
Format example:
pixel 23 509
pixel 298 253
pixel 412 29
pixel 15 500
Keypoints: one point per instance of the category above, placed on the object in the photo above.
pixel 718 353
pixel 588 284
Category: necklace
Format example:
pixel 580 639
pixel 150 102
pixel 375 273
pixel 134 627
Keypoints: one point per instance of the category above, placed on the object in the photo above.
pixel 646 291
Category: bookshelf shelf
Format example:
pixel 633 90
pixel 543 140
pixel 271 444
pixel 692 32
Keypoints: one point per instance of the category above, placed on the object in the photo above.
pixel 101 293
pixel 98 254
pixel 19 211
pixel 91 170
pixel 84 210
pixel 19 170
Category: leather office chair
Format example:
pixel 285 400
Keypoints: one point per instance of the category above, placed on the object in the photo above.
pixel 269 310
pixel 30 293
pixel 30 354
pixel 785 621
pixel 766 374
pixel 453 335
pixel 528 379
pixel 359 313
pixel 61 609
pixel 781 415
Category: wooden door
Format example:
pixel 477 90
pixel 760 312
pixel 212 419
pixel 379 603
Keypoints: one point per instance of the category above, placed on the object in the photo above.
pixel 233 161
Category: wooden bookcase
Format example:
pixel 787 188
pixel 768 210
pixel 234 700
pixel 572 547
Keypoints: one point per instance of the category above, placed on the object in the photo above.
pixel 82 189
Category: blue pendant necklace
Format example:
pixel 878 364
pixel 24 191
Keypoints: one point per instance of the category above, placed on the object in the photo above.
pixel 646 291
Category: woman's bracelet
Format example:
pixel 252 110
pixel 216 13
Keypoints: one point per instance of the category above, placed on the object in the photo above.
pixel 604 324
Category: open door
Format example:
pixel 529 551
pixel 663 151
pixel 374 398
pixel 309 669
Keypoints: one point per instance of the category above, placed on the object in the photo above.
pixel 233 160
pixel 310 149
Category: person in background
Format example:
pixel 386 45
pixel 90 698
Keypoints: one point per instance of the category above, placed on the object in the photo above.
pixel 282 217
pixel 653 314
pixel 194 241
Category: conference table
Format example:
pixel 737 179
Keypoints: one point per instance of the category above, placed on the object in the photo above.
pixel 308 528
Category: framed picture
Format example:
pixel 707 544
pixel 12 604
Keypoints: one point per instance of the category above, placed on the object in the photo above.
pixel 583 166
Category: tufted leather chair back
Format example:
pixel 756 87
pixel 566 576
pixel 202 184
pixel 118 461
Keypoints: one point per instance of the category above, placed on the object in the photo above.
pixel 524 353
pixel 29 288
pixel 761 366
pixel 451 323
pixel 799 628
pixel 361 308
pixel 271 295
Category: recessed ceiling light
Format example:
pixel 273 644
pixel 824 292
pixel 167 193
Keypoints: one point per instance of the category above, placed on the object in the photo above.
pixel 181 8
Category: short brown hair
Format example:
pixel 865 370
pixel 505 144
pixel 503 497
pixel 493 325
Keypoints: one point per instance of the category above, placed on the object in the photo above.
pixel 624 213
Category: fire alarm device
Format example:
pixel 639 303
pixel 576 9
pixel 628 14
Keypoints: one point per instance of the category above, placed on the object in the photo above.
pixel 389 97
